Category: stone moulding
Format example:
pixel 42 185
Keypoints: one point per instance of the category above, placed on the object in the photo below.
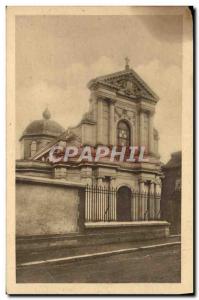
pixel 20 178
pixel 125 224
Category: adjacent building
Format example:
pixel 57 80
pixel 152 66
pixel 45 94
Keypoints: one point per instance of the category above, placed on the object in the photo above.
pixel 171 192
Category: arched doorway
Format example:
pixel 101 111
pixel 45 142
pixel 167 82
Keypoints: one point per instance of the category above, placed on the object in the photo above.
pixel 124 204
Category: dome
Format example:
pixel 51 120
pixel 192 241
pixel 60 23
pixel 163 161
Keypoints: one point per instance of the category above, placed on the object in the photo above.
pixel 45 126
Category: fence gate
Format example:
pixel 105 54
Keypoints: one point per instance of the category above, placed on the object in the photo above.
pixel 124 199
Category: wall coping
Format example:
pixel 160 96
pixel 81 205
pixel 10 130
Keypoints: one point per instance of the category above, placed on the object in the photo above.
pixel 125 224
pixel 48 181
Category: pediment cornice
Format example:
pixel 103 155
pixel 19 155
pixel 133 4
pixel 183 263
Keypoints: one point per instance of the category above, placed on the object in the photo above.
pixel 125 83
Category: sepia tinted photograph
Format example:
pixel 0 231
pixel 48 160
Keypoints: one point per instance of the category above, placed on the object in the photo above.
pixel 98 120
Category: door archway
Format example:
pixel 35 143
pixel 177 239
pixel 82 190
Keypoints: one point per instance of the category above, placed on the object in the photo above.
pixel 124 195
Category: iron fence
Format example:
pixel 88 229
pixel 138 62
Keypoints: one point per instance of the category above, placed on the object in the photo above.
pixel 102 205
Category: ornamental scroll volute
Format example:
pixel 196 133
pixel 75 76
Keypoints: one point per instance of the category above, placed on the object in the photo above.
pixel 124 114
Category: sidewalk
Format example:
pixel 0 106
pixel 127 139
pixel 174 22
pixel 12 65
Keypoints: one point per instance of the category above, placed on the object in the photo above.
pixel 43 256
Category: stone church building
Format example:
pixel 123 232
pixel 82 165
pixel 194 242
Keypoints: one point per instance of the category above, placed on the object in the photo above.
pixel 49 195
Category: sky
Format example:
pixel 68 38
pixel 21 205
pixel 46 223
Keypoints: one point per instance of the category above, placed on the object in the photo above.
pixel 56 56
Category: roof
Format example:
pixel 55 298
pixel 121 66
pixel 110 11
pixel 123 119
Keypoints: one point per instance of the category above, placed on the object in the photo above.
pixel 126 82
pixel 45 126
pixel 175 160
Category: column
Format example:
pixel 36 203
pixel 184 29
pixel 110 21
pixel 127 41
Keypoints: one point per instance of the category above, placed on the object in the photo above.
pixel 152 200
pixel 99 121
pixel 112 123
pixel 113 198
pixel 142 200
pixel 158 199
pixel 98 202
pixel 134 207
pixel 141 137
pixel 83 134
pixel 151 138
pixel 99 181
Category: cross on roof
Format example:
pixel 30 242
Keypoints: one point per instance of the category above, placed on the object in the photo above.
pixel 127 60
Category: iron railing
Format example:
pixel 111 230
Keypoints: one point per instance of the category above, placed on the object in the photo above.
pixel 101 205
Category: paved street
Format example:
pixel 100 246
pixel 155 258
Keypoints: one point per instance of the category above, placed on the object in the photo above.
pixel 51 253
pixel 155 265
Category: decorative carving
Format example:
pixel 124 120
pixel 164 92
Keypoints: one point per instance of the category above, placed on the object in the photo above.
pixel 128 85
pixel 158 181
pixel 121 113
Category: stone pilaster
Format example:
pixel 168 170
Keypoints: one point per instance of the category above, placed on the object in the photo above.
pixel 141 126
pixel 99 181
pixel 100 121
pixel 134 209
pixel 158 199
pixel 113 199
pixel 151 138
pixel 112 123
pixel 152 201
pixel 142 201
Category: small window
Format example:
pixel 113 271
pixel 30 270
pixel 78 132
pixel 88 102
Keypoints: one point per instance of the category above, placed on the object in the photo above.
pixel 33 148
pixel 123 134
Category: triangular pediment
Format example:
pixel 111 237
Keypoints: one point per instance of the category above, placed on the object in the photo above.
pixel 126 82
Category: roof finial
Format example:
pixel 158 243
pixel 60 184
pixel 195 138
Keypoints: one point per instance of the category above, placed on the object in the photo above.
pixel 127 60
pixel 46 114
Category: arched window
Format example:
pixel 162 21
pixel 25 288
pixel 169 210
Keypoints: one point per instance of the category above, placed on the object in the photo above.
pixel 123 134
pixel 33 148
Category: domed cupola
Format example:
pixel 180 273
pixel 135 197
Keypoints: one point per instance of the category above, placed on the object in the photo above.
pixel 39 133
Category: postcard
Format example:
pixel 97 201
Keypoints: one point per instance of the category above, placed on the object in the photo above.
pixel 100 150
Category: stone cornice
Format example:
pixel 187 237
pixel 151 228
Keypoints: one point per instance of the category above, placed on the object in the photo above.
pixel 102 95
pixel 115 94
pixel 146 109
pixel 30 164
pixel 48 181
pixel 121 94
pixel 38 136
pixel 111 82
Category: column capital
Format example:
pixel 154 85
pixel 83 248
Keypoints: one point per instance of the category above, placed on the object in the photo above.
pixel 146 180
pixel 100 177
pixel 141 180
pixel 146 110
pixel 151 112
pixel 100 99
pixel 107 99
pixel 111 101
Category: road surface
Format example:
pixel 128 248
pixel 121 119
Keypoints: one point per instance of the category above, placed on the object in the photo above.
pixel 154 265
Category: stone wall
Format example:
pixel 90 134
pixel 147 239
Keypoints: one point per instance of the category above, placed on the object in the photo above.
pixel 96 234
pixel 45 207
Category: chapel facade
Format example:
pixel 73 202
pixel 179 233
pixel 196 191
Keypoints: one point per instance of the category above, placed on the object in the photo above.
pixel 121 113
